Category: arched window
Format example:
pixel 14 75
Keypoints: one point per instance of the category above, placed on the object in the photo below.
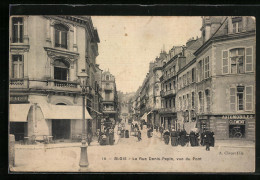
pixel 61 33
pixel 61 70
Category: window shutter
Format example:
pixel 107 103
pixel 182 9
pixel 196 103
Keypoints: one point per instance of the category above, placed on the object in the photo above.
pixel 249 98
pixel 249 59
pixel 225 62
pixel 232 99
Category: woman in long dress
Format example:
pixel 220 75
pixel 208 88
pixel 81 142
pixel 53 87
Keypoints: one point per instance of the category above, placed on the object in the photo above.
pixel 116 135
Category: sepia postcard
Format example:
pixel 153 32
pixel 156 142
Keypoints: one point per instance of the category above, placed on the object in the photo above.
pixel 132 93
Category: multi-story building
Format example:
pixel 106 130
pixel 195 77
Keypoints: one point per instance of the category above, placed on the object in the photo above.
pixel 125 106
pixel 226 77
pixel 110 97
pixel 186 89
pixel 46 56
pixel 168 113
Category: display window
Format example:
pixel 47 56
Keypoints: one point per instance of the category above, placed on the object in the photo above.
pixel 236 128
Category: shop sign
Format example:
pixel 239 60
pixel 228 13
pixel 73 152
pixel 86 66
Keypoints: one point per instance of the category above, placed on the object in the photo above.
pixel 242 116
pixel 202 117
pixel 19 99
pixel 236 121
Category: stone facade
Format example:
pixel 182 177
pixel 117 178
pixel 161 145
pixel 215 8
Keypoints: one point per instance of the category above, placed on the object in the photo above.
pixel 46 56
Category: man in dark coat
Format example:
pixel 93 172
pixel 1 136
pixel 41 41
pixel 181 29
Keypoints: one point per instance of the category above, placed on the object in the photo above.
pixel 192 139
pixel 183 138
pixel 207 140
pixel 111 136
pixel 174 140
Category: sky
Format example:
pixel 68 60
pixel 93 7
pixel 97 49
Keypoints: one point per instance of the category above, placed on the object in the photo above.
pixel 129 43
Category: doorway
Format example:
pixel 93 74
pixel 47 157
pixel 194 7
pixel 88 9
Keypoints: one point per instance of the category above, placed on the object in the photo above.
pixel 61 128
pixel 19 130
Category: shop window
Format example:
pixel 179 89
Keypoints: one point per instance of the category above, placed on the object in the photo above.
pixel 61 70
pixel 17 30
pixel 236 128
pixel 61 34
pixel 207 94
pixel 17 66
pixel 237 24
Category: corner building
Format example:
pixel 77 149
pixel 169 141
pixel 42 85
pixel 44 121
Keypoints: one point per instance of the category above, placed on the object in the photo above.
pixel 47 53
pixel 226 77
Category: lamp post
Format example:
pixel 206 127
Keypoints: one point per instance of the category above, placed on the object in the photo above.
pixel 83 163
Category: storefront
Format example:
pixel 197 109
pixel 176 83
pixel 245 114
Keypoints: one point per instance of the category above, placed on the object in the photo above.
pixel 18 118
pixel 169 121
pixel 237 126
pixel 36 121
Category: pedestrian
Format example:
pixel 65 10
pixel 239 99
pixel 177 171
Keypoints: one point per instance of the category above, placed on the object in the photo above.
pixel 111 136
pixel 161 130
pixel 174 140
pixel 139 136
pixel 207 140
pixel 166 136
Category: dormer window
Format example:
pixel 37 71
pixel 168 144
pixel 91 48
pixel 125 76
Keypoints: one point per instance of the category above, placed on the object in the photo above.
pixel 237 24
pixel 61 33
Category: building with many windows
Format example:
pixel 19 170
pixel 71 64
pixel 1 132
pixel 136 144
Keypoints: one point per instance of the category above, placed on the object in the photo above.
pixel 110 97
pixel 226 77
pixel 209 83
pixel 46 56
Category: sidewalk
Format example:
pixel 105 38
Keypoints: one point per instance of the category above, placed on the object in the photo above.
pixel 52 146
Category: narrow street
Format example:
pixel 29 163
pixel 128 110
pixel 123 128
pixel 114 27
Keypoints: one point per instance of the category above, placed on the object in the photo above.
pixel 129 155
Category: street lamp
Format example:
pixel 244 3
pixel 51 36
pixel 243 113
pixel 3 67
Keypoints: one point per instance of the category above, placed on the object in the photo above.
pixel 83 163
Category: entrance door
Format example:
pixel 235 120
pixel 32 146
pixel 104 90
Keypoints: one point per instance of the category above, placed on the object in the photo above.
pixel 18 129
pixel 61 128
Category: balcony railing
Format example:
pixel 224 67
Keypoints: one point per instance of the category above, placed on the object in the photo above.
pixel 108 88
pixel 167 110
pixel 66 84
pixel 18 83
pixel 167 93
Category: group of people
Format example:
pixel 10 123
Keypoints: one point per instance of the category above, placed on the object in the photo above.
pixel 180 137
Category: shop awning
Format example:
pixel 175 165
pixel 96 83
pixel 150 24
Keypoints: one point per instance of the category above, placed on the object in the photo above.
pixel 144 117
pixel 95 111
pixel 18 112
pixel 63 112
